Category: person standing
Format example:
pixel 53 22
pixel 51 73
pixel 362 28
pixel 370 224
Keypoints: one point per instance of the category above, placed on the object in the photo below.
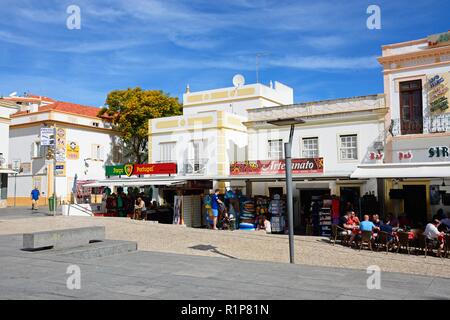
pixel 215 201
pixel 35 194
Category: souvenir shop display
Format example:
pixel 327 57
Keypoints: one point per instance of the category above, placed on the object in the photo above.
pixel 262 212
pixel 247 216
pixel 325 218
pixel 277 210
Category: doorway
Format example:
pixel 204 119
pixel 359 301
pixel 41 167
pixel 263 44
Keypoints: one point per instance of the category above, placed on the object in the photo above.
pixel 415 204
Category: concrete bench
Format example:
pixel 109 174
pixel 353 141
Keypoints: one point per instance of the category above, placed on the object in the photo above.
pixel 66 238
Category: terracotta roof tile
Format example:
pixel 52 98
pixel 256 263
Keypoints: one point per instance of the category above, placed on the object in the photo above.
pixel 68 107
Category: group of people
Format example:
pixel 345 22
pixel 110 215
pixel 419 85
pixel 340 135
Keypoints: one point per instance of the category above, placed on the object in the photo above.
pixel 352 226
pixel 132 203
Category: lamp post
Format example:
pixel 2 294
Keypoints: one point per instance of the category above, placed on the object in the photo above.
pixel 288 165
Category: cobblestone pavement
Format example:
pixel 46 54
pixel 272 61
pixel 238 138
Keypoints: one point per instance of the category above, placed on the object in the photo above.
pixel 242 245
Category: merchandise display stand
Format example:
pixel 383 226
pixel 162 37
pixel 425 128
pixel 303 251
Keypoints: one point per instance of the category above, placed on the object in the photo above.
pixel 325 218
pixel 277 209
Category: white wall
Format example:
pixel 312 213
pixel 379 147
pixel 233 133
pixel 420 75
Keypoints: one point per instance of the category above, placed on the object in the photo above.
pixel 328 135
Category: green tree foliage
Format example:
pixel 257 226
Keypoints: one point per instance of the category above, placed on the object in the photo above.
pixel 130 111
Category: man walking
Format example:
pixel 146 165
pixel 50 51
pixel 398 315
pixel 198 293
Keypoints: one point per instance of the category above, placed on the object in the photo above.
pixel 215 207
pixel 35 198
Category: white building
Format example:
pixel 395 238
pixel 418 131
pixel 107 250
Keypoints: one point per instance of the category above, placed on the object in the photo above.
pixel 210 134
pixel 339 134
pixel 417 162
pixel 86 144
pixel 6 109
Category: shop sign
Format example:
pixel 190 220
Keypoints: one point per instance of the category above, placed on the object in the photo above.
pixel 73 151
pixel 264 167
pixel 438 152
pixel 438 92
pixel 60 169
pixel 47 136
pixel 376 155
pixel 130 169
pixel 439 40
pixel 60 145
pixel 405 155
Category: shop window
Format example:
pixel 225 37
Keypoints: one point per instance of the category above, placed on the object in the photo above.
pixel 167 152
pixel 310 147
pixel 411 107
pixel 348 148
pixel 276 149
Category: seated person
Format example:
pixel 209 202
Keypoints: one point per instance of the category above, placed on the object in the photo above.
pixel 392 220
pixel 376 220
pixel 347 223
pixel 354 219
pixel 386 227
pixel 434 235
pixel 365 225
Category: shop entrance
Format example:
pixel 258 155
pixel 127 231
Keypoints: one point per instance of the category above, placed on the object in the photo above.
pixel 309 209
pixel 350 199
pixel 415 204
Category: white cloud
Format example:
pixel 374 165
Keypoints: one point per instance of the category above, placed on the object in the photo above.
pixel 326 62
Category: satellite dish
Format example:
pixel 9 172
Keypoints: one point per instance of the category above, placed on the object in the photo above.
pixel 238 80
pixel 13 94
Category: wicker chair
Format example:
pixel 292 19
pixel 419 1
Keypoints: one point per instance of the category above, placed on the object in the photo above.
pixel 403 241
pixel 424 244
pixel 338 232
pixel 384 239
pixel 366 238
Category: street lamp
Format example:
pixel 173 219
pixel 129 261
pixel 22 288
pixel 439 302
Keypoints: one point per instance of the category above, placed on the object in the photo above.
pixel 288 165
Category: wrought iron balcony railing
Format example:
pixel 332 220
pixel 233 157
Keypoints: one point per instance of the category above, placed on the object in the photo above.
pixel 430 124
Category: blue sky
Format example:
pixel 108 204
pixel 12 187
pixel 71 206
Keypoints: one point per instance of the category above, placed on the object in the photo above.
pixel 322 49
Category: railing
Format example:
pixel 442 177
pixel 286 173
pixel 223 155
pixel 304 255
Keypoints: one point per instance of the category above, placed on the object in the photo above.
pixel 430 124
pixel 195 166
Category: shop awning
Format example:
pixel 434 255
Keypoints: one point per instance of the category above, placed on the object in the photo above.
pixel 9 171
pixel 132 183
pixel 403 170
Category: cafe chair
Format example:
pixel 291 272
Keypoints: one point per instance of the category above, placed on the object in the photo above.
pixel 403 241
pixel 366 238
pixel 386 240
pixel 340 233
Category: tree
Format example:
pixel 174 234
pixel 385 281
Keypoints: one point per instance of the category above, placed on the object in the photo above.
pixel 130 111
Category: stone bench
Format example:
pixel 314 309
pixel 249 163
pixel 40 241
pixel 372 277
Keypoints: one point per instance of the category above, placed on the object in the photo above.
pixel 60 239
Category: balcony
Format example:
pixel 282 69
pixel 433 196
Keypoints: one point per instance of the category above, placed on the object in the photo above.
pixel 195 166
pixel 431 124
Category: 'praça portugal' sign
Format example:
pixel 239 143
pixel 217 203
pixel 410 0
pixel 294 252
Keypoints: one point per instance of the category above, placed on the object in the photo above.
pixel 264 167
pixel 130 169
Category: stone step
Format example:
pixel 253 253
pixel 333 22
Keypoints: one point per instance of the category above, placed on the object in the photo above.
pixel 97 249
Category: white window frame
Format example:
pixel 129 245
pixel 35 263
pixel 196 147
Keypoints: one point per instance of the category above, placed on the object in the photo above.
pixel 96 152
pixel 275 154
pixel 341 147
pixel 308 152
pixel 38 150
pixel 163 152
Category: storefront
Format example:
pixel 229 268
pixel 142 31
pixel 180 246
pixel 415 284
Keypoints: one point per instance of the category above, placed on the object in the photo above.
pixel 413 191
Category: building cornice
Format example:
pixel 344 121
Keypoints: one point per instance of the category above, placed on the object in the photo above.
pixel 51 122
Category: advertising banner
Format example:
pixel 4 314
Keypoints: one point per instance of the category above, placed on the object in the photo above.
pixel 141 169
pixel 273 167
pixel 60 145
pixel 47 136
pixel 73 151
pixel 439 92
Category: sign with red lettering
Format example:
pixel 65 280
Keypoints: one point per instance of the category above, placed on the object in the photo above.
pixel 265 167
pixel 405 155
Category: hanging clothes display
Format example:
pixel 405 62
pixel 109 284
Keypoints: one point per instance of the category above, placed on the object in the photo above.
pixel 277 211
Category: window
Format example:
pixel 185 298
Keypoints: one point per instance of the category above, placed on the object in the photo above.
pixel 97 152
pixel 310 147
pixel 117 154
pixel 37 150
pixel 411 113
pixel 348 149
pixel 167 152
pixel 276 149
